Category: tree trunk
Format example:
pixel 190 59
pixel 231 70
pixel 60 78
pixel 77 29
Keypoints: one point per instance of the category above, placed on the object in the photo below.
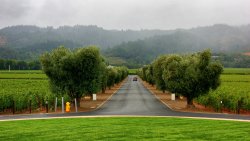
pixel 78 100
pixel 103 90
pixel 190 103
pixel 91 96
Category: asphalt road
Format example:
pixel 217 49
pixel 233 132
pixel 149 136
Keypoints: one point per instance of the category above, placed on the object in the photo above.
pixel 132 99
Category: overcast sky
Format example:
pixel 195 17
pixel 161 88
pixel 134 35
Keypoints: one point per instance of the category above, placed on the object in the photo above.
pixel 125 14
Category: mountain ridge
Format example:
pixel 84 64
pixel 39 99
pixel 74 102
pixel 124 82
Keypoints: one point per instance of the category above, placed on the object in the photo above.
pixel 132 46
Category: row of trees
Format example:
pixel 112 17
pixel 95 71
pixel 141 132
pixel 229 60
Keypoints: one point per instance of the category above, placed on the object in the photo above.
pixel 237 60
pixel 79 72
pixel 188 75
pixel 19 65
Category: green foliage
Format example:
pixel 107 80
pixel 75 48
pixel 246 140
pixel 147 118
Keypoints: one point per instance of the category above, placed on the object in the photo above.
pixel 21 72
pixel 234 60
pixel 218 38
pixel 230 93
pixel 191 75
pixel 240 71
pixel 235 78
pixel 103 76
pixel 88 63
pixel 133 71
pixel 21 86
pixel 79 72
pixel 116 75
pixel 131 48
pixel 28 42
pixel 75 72
pixel 12 75
pixel 158 72
pixel 19 65
pixel 21 91
pixel 173 72
pixel 148 74
pixel 112 73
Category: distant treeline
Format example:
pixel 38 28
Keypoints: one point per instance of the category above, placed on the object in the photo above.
pixel 126 47
pixel 233 60
pixel 19 65
pixel 227 60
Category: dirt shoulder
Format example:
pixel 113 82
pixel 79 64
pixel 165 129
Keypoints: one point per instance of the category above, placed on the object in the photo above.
pixel 181 104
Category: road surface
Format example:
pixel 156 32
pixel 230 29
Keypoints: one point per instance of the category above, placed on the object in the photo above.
pixel 132 99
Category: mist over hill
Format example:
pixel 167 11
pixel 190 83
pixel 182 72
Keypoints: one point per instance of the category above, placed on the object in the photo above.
pixel 32 40
pixel 219 38
pixel 128 47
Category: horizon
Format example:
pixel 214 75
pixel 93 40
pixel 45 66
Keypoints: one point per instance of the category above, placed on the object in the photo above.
pixel 57 27
pixel 124 15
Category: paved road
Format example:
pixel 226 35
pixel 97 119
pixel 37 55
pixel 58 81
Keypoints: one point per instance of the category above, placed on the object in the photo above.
pixel 132 99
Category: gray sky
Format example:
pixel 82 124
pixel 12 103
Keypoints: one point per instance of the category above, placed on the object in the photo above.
pixel 125 14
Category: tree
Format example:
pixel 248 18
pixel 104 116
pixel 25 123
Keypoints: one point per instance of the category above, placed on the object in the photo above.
pixel 112 73
pixel 34 65
pixel 144 76
pixel 116 75
pixel 76 72
pixel 158 72
pixel 192 75
pixel 104 76
pixel 22 65
pixel 150 75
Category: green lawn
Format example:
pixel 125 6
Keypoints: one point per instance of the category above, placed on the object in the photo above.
pixel 125 129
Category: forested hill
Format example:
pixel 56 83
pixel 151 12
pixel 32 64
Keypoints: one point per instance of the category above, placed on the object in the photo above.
pixel 128 47
pixel 24 42
pixel 219 38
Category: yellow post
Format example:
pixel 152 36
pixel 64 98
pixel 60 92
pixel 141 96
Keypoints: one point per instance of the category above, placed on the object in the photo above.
pixel 67 107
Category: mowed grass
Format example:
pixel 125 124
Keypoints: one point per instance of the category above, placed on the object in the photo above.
pixel 125 128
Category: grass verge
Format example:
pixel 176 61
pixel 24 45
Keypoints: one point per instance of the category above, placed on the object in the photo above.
pixel 125 128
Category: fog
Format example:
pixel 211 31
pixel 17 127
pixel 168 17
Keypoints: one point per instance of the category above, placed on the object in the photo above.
pixel 126 14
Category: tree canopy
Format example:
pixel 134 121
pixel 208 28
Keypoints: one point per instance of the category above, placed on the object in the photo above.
pixel 79 72
pixel 189 75
pixel 74 72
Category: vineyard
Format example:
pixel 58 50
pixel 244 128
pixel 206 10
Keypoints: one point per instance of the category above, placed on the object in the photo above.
pixel 68 73
pixel 28 74
pixel 233 94
pixel 239 71
pixel 235 78
pixel 19 93
pixel 24 90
